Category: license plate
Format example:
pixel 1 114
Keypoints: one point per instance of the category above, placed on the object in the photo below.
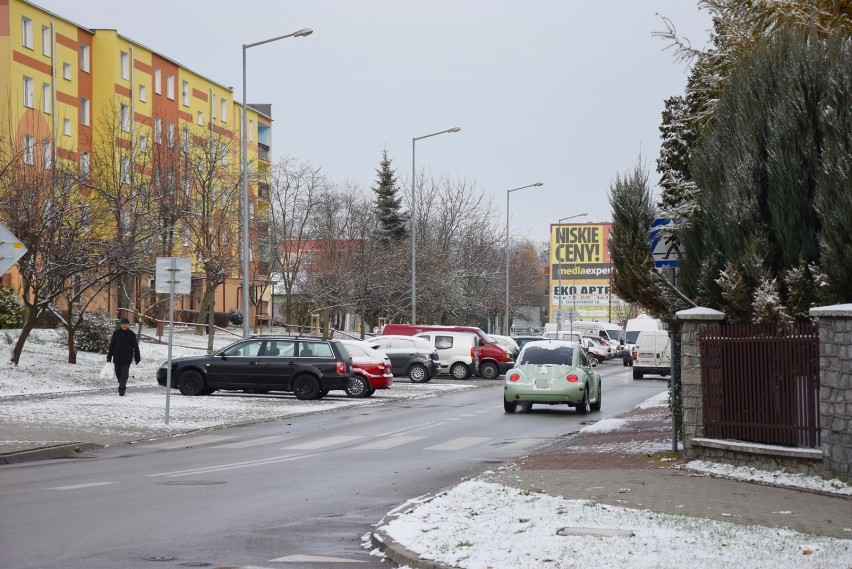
pixel 542 383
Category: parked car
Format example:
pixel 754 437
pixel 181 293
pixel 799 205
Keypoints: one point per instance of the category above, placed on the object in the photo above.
pixel 652 354
pixel 456 351
pixel 494 359
pixel 371 369
pixel 598 348
pixel 553 372
pixel 507 342
pixel 521 341
pixel 309 367
pixel 414 357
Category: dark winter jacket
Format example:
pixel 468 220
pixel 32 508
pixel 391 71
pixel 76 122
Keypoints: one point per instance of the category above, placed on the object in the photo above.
pixel 123 347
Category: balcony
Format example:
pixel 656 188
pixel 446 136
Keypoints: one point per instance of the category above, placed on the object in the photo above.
pixel 263 151
pixel 263 190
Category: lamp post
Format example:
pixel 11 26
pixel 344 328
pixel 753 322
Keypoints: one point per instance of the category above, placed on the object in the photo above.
pixel 414 221
pixel 244 151
pixel 506 316
pixel 559 321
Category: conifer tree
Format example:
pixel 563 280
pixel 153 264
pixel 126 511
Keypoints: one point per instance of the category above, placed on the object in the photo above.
pixel 392 222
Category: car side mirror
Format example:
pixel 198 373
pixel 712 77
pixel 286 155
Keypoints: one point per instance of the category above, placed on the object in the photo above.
pixel 481 342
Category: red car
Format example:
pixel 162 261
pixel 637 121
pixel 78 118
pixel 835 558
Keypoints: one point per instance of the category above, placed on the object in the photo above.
pixel 371 369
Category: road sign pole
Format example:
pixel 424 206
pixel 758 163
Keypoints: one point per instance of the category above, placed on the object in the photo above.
pixel 173 276
pixel 173 269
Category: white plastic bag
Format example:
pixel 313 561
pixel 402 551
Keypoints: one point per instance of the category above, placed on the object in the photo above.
pixel 107 372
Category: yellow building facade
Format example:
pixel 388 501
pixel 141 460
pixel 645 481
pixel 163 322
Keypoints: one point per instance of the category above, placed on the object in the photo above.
pixel 132 123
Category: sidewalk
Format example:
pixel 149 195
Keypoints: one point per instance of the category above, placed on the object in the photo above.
pixel 632 467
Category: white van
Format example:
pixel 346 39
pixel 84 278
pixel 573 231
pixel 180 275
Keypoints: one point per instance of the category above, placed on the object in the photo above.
pixel 652 354
pixel 636 325
pixel 562 335
pixel 610 332
pixel 455 351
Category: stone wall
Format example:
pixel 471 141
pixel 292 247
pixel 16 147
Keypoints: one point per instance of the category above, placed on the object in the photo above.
pixel 835 392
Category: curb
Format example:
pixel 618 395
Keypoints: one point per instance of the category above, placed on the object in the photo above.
pixel 60 451
pixel 396 552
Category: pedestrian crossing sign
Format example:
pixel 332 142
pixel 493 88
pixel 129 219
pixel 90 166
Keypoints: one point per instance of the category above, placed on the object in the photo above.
pixel 666 253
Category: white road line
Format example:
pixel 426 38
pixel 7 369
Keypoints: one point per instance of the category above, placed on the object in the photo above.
pixel 191 441
pixel 405 430
pixel 257 442
pixel 323 443
pixel 89 485
pixel 459 443
pixel 314 559
pixel 389 442
pixel 232 466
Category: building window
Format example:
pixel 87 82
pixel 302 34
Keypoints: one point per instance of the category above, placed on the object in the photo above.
pixel 158 130
pixel 84 58
pixel 28 91
pixel 26 32
pixel 66 127
pixel 125 65
pixel 46 98
pixel 84 112
pixel 125 118
pixel 184 93
pixel 85 166
pixel 46 41
pixel 46 154
pixel 125 170
pixel 143 143
pixel 158 81
pixel 224 111
pixel 170 134
pixel 212 107
pixel 66 71
pixel 143 93
pixel 251 131
pixel 29 149
pixel 200 118
pixel 224 156
pixel 85 226
pixel 170 86
pixel 185 139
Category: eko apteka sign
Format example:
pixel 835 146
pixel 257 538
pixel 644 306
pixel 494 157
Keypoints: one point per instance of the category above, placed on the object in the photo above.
pixel 580 269
pixel 11 249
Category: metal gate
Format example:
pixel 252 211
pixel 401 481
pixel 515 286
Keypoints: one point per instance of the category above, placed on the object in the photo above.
pixel 760 383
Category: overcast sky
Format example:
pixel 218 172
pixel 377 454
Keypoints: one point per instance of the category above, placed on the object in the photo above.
pixel 565 92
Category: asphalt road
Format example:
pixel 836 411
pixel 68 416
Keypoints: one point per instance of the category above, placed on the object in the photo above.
pixel 296 493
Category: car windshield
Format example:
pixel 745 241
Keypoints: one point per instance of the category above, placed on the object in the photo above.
pixel 563 355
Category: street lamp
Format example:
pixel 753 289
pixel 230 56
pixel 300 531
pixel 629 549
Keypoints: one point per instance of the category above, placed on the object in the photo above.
pixel 244 150
pixel 414 221
pixel 559 270
pixel 506 320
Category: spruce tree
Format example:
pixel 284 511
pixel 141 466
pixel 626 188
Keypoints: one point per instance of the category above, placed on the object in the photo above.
pixel 392 222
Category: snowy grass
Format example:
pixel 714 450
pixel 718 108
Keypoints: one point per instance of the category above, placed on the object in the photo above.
pixel 479 524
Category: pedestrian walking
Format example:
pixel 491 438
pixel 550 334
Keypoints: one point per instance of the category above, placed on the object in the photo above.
pixel 123 349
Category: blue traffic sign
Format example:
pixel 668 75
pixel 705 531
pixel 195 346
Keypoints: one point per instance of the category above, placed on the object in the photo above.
pixel 666 253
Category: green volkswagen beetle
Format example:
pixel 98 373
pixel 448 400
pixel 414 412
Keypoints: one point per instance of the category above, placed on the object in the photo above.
pixel 553 372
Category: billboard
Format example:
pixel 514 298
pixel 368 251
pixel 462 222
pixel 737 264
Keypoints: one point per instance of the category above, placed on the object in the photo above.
pixel 580 268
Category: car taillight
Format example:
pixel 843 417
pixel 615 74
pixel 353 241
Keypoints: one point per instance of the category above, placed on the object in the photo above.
pixel 634 353
pixel 573 378
pixel 473 353
pixel 341 368
pixel 514 377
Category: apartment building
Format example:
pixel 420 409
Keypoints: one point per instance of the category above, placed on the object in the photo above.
pixel 140 137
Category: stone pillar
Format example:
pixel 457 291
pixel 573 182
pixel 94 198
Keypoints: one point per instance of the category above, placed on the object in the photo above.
pixel 835 388
pixel 690 372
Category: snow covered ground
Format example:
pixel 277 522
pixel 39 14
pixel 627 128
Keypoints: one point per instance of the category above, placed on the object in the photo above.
pixel 97 414
pixel 480 525
pixel 477 524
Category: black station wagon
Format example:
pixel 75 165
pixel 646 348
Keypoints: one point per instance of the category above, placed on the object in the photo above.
pixel 308 367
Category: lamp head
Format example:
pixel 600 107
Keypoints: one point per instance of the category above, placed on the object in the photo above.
pixel 303 32
pixel 538 184
pixel 454 129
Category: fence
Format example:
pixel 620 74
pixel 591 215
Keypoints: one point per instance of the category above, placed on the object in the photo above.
pixel 760 383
